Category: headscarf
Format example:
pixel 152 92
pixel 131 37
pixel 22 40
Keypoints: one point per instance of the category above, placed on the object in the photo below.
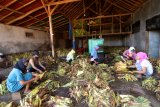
pixel 142 56
pixel 131 49
pixel 21 65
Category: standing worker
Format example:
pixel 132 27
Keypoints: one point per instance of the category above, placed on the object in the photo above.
pixel 94 55
pixel 130 54
pixel 35 64
pixel 19 77
pixel 70 56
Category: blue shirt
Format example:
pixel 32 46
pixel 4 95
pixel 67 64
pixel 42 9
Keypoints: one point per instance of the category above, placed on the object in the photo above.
pixel 13 80
pixel 94 53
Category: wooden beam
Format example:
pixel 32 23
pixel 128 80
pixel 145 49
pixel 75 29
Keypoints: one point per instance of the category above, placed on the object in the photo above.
pixel 31 19
pixel 54 9
pixel 24 15
pixel 104 4
pixel 17 9
pixel 106 9
pixel 62 2
pixel 12 1
pixel 61 25
pixel 72 8
pixel 93 11
pixel 18 13
pixel 119 6
pixel 44 6
pixel 44 22
pixel 51 31
pixel 86 9
pixel 107 16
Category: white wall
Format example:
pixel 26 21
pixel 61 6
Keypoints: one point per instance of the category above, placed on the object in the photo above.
pixel 13 39
pixel 150 9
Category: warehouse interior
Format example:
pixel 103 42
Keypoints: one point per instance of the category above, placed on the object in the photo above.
pixel 54 27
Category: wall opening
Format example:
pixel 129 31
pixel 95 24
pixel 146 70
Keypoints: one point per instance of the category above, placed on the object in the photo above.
pixel 154 44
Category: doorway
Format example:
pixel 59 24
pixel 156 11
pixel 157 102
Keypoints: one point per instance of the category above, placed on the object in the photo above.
pixel 154 44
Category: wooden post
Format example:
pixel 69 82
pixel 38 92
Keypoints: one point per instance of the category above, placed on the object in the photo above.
pixel 51 31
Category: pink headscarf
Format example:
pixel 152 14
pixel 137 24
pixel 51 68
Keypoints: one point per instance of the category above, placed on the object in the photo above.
pixel 142 56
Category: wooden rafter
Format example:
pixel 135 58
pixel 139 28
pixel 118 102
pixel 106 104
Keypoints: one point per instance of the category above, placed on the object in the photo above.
pixel 44 22
pixel 124 9
pixel 31 19
pixel 12 1
pixel 62 2
pixel 104 4
pixel 24 15
pixel 72 8
pixel 54 9
pixel 93 11
pixel 17 9
pixel 86 10
pixel 107 9
pixel 62 24
pixel 44 6
pixel 78 9
pixel 18 13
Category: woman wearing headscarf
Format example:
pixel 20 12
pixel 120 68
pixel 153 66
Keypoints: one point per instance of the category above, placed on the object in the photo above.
pixel 94 55
pixel 18 77
pixel 70 56
pixel 144 67
pixel 130 53
pixel 35 64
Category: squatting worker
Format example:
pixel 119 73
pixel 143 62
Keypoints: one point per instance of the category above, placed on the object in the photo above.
pixel 35 64
pixel 94 55
pixel 19 77
pixel 70 56
pixel 144 67
pixel 130 53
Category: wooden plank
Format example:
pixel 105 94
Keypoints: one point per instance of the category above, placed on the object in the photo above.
pixel 24 15
pixel 62 2
pixel 17 9
pixel 86 9
pixel 44 6
pixel 45 22
pixel 12 1
pixel 53 10
pixel 18 13
pixel 61 25
pixel 72 8
pixel 93 11
pixel 107 16
pixel 35 17
pixel 119 6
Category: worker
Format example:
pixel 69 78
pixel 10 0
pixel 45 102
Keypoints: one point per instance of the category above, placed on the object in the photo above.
pixel 130 54
pixel 94 55
pixel 2 57
pixel 19 77
pixel 144 67
pixel 70 56
pixel 34 63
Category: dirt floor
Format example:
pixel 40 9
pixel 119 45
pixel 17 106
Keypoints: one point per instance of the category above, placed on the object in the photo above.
pixel 135 89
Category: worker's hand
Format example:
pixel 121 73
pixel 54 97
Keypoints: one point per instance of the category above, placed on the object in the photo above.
pixel 37 78
pixel 135 71
pixel 96 63
pixel 40 71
